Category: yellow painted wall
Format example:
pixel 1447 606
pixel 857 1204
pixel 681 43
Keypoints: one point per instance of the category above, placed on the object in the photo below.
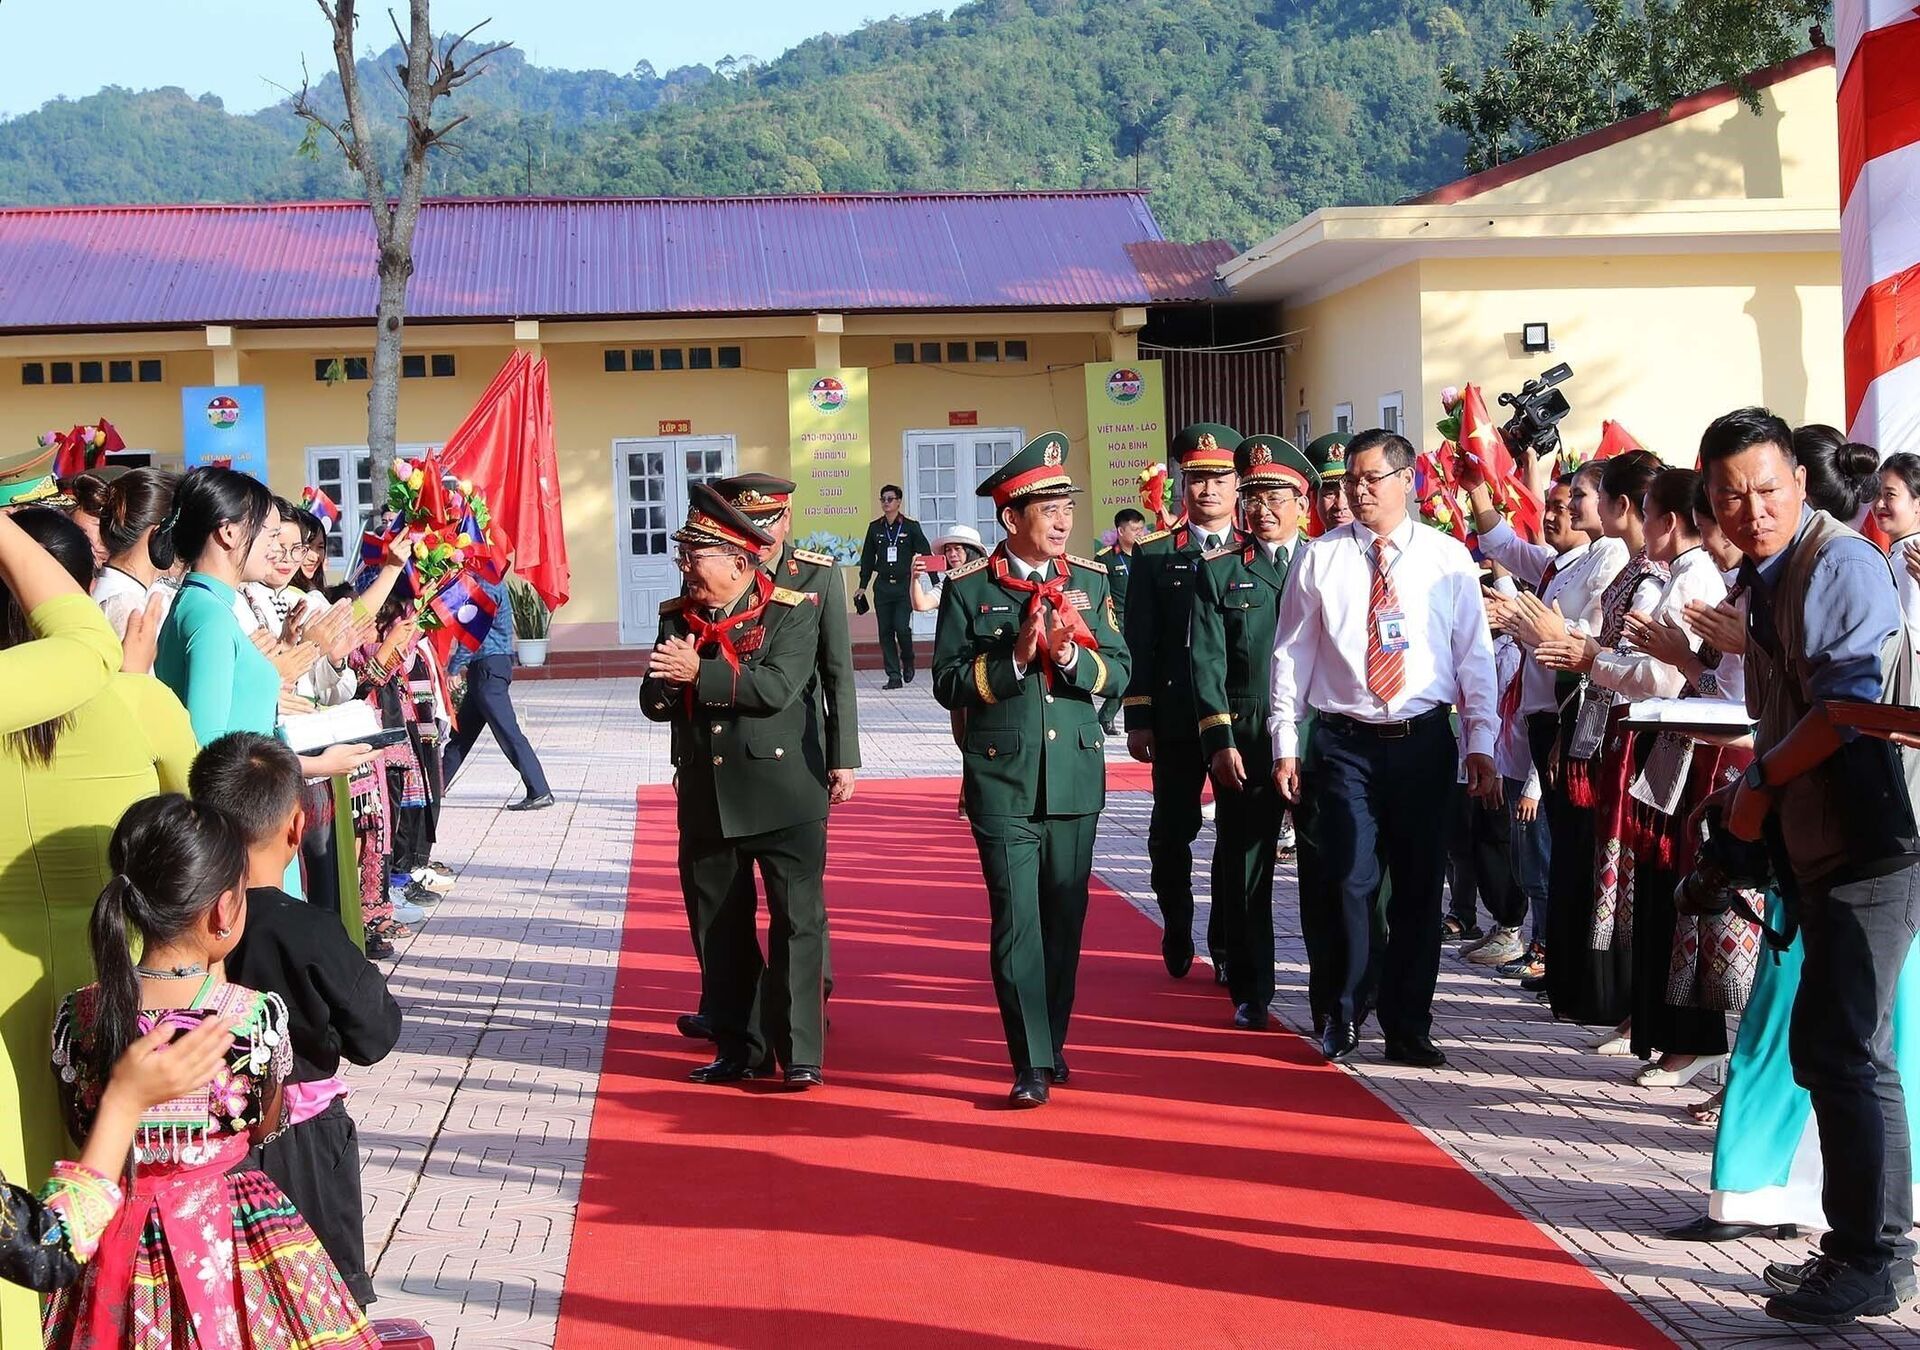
pixel 1789 150
pixel 1662 344
pixel 592 409
pixel 1354 347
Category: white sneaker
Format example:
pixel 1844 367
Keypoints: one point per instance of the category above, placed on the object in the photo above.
pixel 1501 946
pixel 437 880
pixel 1288 840
pixel 1206 810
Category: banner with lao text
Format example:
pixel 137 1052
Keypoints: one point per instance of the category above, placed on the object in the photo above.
pixel 831 454
pixel 1126 432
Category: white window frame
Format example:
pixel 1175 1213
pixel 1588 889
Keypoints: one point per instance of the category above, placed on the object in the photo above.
pixel 978 511
pixel 1302 429
pixel 343 540
pixel 640 629
pixel 1343 418
pixel 1396 402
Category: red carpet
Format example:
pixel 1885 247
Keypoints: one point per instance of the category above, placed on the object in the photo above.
pixel 1192 1186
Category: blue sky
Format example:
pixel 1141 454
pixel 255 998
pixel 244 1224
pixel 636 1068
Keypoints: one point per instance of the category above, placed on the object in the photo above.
pixel 239 49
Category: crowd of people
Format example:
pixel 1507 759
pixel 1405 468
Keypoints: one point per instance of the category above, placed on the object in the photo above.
pixel 195 884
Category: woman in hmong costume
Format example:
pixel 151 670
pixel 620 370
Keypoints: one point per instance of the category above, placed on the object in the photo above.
pixel 1588 978
pixel 205 1253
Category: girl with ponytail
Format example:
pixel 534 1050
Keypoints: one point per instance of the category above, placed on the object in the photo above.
pixel 178 897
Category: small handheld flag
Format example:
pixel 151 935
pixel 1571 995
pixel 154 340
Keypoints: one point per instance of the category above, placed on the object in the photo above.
pixel 317 501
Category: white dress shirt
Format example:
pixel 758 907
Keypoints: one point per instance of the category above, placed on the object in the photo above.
pixel 1320 644
pixel 1908 588
pixel 1635 675
pixel 1512 753
pixel 1728 680
pixel 120 595
pixel 325 683
pixel 1579 583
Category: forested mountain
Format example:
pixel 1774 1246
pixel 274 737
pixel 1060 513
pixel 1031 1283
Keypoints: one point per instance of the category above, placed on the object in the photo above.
pixel 1239 115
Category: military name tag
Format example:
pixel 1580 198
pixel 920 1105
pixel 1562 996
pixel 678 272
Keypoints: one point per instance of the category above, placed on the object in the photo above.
pixel 996 609
pixel 1239 585
pixel 1079 600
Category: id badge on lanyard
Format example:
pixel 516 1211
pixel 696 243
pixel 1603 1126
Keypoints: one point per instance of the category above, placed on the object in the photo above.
pixel 1393 630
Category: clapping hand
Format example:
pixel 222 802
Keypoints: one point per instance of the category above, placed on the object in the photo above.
pixel 142 639
pixel 332 632
pixel 1723 626
pixel 1033 636
pixel 293 662
pixel 1661 638
pixel 675 661
pixel 1502 612
pixel 1573 653
pixel 1536 624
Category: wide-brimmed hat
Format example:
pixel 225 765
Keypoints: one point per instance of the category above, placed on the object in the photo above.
pixel 964 535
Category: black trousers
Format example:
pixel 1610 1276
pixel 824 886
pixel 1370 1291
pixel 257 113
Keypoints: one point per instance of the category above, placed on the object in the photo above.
pixel 1659 1026
pixel 1179 775
pixel 1480 863
pixel 893 612
pixel 317 1164
pixel 1857 937
pixel 318 848
pixel 1322 924
pixel 1586 986
pixel 1375 799
pixel 1246 829
pixel 488 702
pixel 771 1006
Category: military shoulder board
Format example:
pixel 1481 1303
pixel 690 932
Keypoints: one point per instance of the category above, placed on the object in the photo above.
pixel 673 606
pixel 783 596
pixel 1157 534
pixel 809 556
pixel 967 570
pixel 1225 550
pixel 1087 563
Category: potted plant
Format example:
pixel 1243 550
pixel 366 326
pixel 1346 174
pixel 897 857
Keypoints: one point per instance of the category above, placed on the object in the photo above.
pixel 530 620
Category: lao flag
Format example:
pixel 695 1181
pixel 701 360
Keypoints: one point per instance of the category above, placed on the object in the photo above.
pixel 323 506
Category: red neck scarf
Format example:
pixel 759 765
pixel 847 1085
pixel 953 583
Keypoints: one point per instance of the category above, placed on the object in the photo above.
pixel 1048 594
pixel 720 633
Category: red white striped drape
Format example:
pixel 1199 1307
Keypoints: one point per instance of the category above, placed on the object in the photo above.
pixel 1877 52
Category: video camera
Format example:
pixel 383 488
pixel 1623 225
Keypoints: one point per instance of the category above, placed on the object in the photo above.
pixel 1725 869
pixel 1538 410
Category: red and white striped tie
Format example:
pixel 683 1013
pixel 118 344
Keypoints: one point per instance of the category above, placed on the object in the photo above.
pixel 1877 49
pixel 1386 671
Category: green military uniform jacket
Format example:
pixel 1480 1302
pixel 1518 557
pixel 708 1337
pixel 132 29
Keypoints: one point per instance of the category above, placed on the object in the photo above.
pixel 819 575
pixel 911 542
pixel 1236 606
pixel 1029 748
pixel 1118 566
pixel 1160 589
pixel 746 746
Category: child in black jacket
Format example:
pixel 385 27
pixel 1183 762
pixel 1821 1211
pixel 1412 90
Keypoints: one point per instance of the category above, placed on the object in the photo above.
pixel 337 999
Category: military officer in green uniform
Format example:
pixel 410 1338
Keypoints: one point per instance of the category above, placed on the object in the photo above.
pixel 1026 644
pixel 893 542
pixel 1129 527
pixel 1162 729
pixel 1236 605
pixel 767 501
pixel 1328 455
pixel 730 670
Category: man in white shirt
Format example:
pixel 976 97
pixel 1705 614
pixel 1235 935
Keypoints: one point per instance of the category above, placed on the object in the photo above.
pixel 1382 632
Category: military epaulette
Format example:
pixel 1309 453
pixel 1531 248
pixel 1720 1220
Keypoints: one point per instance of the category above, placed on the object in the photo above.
pixel 1087 563
pixel 782 596
pixel 673 606
pixel 1103 552
pixel 1224 551
pixel 1150 538
pixel 807 555
pixel 966 570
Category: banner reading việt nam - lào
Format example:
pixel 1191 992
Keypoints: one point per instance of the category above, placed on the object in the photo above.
pixel 1126 432
pixel 831 454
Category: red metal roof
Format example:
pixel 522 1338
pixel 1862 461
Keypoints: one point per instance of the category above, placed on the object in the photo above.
pixel 1183 271
pixel 312 262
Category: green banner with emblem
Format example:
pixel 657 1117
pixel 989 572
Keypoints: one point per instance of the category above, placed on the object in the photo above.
pixel 831 454
pixel 1126 433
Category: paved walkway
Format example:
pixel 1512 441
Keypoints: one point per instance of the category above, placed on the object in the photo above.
pixel 475 1130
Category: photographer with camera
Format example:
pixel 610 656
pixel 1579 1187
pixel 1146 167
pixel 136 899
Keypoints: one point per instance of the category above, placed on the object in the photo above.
pixel 1824 624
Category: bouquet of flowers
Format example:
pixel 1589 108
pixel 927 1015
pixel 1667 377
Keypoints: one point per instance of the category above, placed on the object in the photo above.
pixel 82 448
pixel 443 528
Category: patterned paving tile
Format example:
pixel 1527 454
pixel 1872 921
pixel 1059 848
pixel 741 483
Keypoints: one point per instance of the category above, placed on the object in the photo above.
pixel 475 1130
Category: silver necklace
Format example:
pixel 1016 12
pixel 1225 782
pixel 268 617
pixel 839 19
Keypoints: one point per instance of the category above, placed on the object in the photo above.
pixel 172 972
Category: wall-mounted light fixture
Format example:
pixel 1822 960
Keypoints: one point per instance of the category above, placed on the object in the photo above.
pixel 1534 338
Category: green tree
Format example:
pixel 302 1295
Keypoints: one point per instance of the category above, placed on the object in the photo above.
pixel 1615 60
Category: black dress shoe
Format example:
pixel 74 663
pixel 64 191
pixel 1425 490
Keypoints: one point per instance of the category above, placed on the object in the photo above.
pixel 694 1026
pixel 1029 1089
pixel 1110 728
pixel 1339 1040
pixel 1706 1228
pixel 1060 1071
pixel 1178 954
pixel 1534 984
pixel 726 1069
pixel 893 682
pixel 379 949
pixel 1250 1017
pixel 540 803
pixel 1319 1025
pixel 800 1077
pixel 908 677
pixel 1419 1051
pixel 1219 967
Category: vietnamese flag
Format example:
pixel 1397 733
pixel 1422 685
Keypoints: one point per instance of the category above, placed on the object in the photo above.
pixel 506 448
pixel 1615 440
pixel 1482 443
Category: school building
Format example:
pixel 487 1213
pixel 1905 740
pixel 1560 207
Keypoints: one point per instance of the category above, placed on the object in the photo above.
pixel 668 328
pixel 1683 263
